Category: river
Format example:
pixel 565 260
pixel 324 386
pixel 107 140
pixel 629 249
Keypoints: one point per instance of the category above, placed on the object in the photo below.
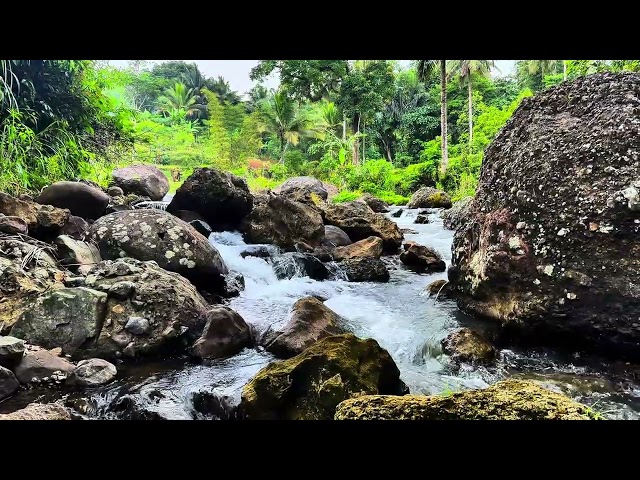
pixel 398 314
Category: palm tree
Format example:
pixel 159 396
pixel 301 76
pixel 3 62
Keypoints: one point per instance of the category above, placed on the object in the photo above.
pixel 543 67
pixel 465 69
pixel 425 69
pixel 284 119
pixel 223 90
pixel 177 98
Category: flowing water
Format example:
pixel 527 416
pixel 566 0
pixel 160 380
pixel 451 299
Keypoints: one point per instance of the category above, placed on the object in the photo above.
pixel 398 314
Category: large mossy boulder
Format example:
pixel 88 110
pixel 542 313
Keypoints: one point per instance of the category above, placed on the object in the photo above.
pixel 223 199
pixel 174 245
pixel 310 385
pixel 468 346
pixel 81 199
pixel 283 222
pixel 507 400
pixel 429 197
pixel 145 180
pixel 550 249
pixel 360 222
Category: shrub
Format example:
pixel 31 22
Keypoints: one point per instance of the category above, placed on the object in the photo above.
pixel 346 196
pixel 392 198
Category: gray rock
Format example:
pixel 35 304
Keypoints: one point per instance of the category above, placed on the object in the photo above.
pixel 457 214
pixel 137 326
pixel 429 197
pixel 144 180
pixel 78 255
pixel 225 334
pixel 92 372
pixel 40 364
pixel 335 237
pixel 294 264
pixel 13 225
pixel 122 290
pixel 115 191
pixel 76 227
pixel 366 269
pixel 44 221
pixel 79 198
pixel 377 205
pixel 302 186
pixel 8 383
pixel 11 351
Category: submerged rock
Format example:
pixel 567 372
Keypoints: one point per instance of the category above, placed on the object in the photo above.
pixel 294 264
pixel 465 345
pixel 377 205
pixel 81 199
pixel 311 385
pixel 369 247
pixel 298 188
pixel 421 219
pixel 457 214
pixel 421 258
pixel 146 180
pixel 225 334
pixel 222 198
pixel 92 372
pixel 507 400
pixel 39 411
pixel 429 197
pixel 550 248
pixel 310 321
pixel 156 235
pixel 367 269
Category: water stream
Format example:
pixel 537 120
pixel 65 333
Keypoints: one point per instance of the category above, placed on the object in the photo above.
pixel 398 314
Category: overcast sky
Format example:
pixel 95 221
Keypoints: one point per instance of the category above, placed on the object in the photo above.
pixel 236 72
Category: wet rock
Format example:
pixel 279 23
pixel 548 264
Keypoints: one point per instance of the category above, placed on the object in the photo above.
pixel 369 247
pixel 175 311
pixel 39 411
pixel 440 289
pixel 77 255
pixel 375 203
pixel 80 199
pixel 156 235
pixel 294 264
pixel 421 258
pixel 277 220
pixel 11 351
pixel 335 237
pixel 222 198
pixel 465 345
pixel 429 197
pixel 507 400
pixel 311 385
pixel 310 321
pixel 397 213
pixel 550 250
pixel 115 191
pixel 360 222
pixel 259 251
pixel 64 318
pixel 92 372
pixel 299 187
pixel 409 231
pixel 422 219
pixel 128 407
pixel 76 228
pixel 215 406
pixel 13 225
pixel 367 269
pixel 8 383
pixel 43 221
pixel 201 227
pixel 233 284
pixel 126 202
pixel 37 365
pixel 144 180
pixel 457 214
pixel 225 334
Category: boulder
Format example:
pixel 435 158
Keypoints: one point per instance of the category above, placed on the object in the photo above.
pixel 39 411
pixel 8 383
pixel 310 321
pixel 506 400
pixel 76 228
pixel 156 235
pixel 65 318
pixel 145 180
pixel 397 213
pixel 222 198
pixel 77 255
pixel 126 202
pixel 38 365
pixel 233 284
pixel 421 258
pixel 215 406
pixel 43 221
pixel 80 199
pixel 115 191
pixel 13 225
pixel 550 249
pixel 225 334
pixel 301 187
pixel 11 351
pixel 366 269
pixel 335 237
pixel 440 289
pixel 360 222
pixel 421 219
pixel 465 345
pixel 259 251
pixel 429 197
pixel 92 372
pixel 294 264
pixel 369 247
pixel 409 231
pixel 375 203
pixel 277 220
pixel 457 214
pixel 149 311
pixel 309 386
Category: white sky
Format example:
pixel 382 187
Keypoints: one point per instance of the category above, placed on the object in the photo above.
pixel 236 72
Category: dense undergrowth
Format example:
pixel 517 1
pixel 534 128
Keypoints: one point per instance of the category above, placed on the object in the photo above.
pixel 364 126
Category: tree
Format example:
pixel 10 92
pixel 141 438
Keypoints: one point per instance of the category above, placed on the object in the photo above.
pixel 311 80
pixel 284 118
pixel 256 95
pixel 219 141
pixel 425 69
pixel 223 90
pixel 179 98
pixel 466 69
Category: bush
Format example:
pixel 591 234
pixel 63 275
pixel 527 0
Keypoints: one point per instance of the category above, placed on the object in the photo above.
pixel 346 196
pixel 408 180
pixel 392 198
pixel 294 161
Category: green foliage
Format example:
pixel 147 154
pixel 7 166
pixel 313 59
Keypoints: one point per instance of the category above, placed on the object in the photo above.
pixel 346 196
pixel 218 143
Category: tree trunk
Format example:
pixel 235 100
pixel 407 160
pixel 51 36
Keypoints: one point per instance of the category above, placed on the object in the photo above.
pixel 283 152
pixel 344 127
pixel 364 159
pixel 387 149
pixel 470 110
pixel 443 117
pixel 564 69
pixel 356 141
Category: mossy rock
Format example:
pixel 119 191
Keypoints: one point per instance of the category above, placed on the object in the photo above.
pixel 507 400
pixel 310 385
